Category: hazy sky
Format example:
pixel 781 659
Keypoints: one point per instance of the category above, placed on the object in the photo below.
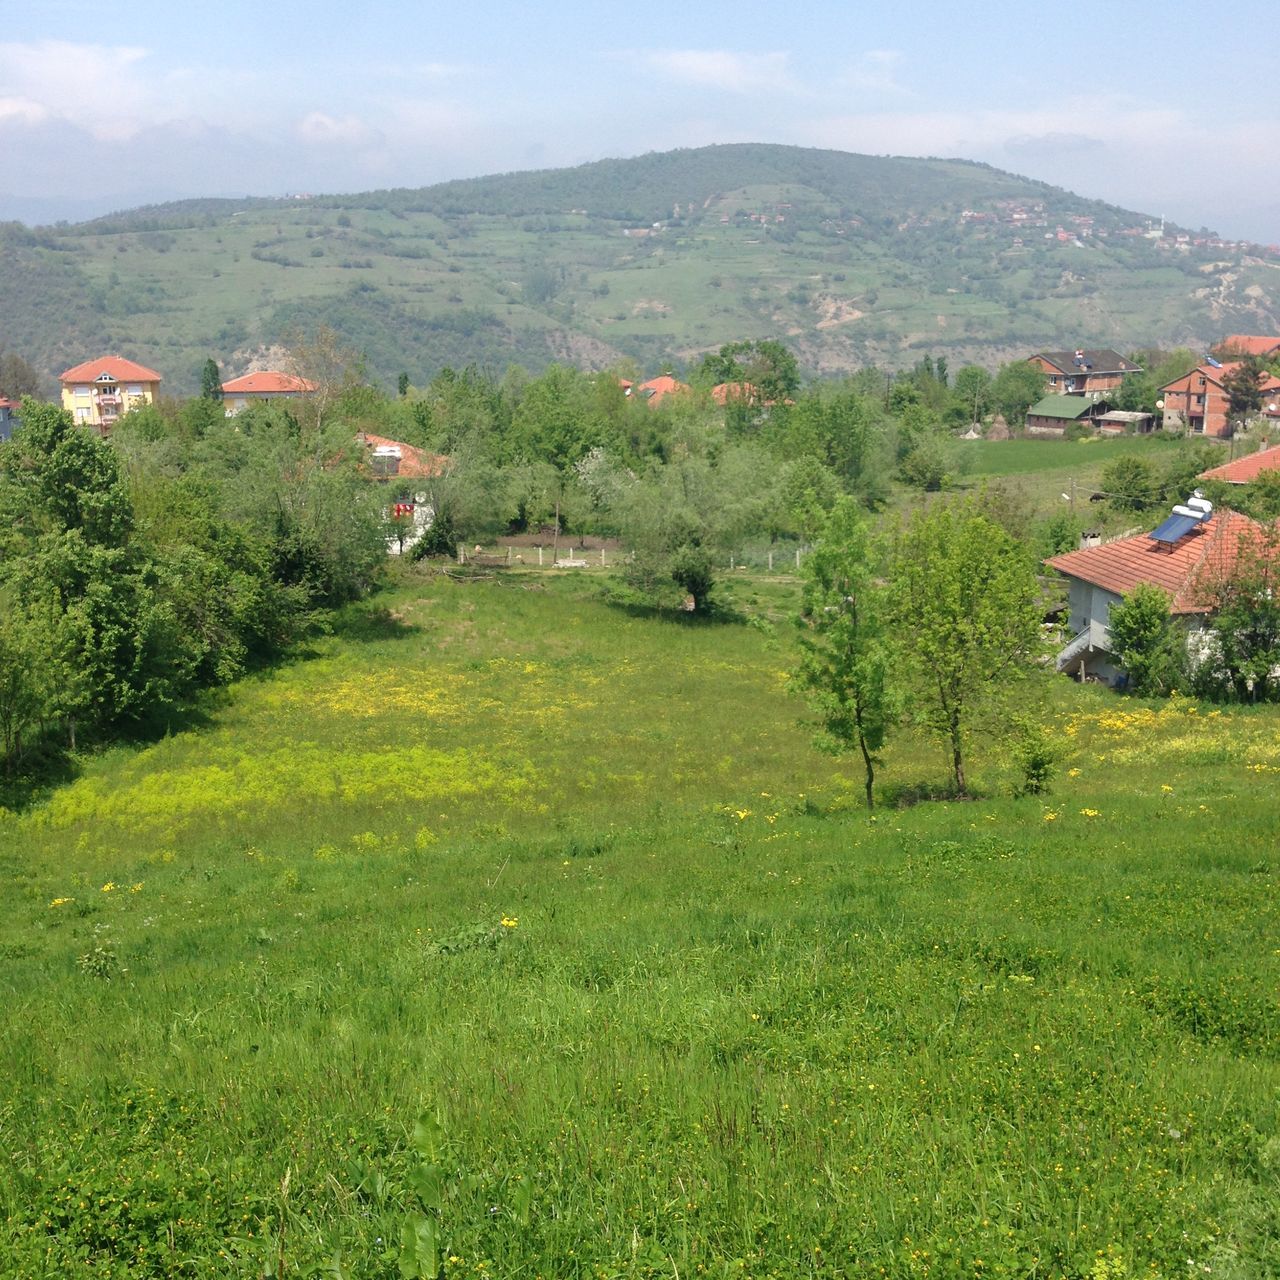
pixel 1167 108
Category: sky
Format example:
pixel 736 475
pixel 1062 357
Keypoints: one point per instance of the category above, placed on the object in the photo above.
pixel 1169 109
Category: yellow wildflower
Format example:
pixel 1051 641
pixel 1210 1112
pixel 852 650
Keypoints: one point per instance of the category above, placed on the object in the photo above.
pixel 60 902
pixel 109 886
pixel 1090 813
pixel 510 922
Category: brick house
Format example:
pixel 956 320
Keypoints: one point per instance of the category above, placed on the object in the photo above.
pixel 1082 372
pixel 1198 402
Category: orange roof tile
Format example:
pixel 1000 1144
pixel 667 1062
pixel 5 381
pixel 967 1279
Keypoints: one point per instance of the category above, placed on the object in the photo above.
pixel 723 392
pixel 1247 344
pixel 1242 470
pixel 660 387
pixel 116 367
pixel 1122 565
pixel 415 463
pixel 265 382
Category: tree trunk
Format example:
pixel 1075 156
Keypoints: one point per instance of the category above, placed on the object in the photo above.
pixel 871 770
pixel 957 758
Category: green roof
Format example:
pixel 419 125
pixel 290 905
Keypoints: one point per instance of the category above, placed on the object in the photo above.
pixel 1067 407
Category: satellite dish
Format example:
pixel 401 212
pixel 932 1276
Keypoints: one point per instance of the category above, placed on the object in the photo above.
pixel 1160 404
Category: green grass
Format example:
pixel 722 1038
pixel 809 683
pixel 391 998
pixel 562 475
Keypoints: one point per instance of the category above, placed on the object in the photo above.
pixel 732 1026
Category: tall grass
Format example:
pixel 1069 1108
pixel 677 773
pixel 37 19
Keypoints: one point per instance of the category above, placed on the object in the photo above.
pixel 574 883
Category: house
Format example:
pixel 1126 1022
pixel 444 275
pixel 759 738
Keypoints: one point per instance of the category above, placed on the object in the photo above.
pixel 8 417
pixel 1237 345
pixel 1055 413
pixel 97 392
pixel 265 385
pixel 1118 422
pixel 656 390
pixel 1246 469
pixel 1198 401
pixel 1177 557
pixel 1082 372
pixel 395 460
pixel 402 468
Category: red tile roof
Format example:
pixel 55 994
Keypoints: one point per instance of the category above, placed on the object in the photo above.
pixel 266 382
pixel 116 367
pixel 1247 344
pixel 658 388
pixel 1242 470
pixel 723 392
pixel 414 462
pixel 1121 565
pixel 10 404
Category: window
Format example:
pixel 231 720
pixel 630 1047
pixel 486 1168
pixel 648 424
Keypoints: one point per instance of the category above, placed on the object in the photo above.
pixel 82 392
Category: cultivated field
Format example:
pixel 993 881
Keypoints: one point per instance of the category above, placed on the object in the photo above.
pixel 520 935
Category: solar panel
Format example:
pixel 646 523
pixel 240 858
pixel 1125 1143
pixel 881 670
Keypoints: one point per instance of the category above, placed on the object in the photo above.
pixel 1173 528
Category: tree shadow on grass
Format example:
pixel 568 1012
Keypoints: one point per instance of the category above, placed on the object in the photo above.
pixel 366 624
pixel 906 795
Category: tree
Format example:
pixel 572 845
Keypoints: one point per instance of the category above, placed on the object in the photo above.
pixel 17 377
pixel 967 616
pixel 1244 654
pixel 1016 388
pixel 1243 389
pixel 844 666
pixel 1148 644
pixel 1130 484
pixel 210 381
pixel 402 385
pixel 766 364
pixel 971 391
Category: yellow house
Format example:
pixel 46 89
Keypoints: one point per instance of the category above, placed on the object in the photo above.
pixel 99 391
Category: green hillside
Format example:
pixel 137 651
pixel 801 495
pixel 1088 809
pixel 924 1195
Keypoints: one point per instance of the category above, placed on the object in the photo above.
pixel 852 259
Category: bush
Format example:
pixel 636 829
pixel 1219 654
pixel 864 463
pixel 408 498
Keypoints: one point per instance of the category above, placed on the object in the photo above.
pixel 440 539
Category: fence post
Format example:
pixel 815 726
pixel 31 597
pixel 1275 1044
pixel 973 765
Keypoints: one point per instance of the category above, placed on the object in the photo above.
pixel 508 553
pixel 539 555
pixel 770 561
pixel 797 557
pixel 602 557
pixel 462 556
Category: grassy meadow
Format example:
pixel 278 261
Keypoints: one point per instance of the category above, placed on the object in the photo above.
pixel 513 934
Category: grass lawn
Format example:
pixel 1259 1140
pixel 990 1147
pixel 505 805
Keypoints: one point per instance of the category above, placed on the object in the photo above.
pixel 518 927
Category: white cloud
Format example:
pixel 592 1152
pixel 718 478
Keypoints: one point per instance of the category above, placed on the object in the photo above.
pixel 724 69
pixel 320 128
pixel 22 111
pixel 876 71
pixel 101 88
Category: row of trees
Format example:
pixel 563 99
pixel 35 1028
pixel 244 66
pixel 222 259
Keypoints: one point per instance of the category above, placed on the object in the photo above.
pixel 135 573
pixel 938 620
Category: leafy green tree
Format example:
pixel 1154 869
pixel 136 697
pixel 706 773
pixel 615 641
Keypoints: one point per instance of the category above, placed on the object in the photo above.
pixel 971 393
pixel 1017 386
pixel 966 615
pixel 768 365
pixel 1130 484
pixel 17 377
pixel 1149 645
pixel 210 381
pixel 1244 654
pixel 844 641
pixel 1243 388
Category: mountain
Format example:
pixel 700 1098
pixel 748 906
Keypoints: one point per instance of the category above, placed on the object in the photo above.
pixel 851 259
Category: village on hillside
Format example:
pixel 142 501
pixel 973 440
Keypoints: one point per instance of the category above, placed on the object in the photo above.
pixel 1230 389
